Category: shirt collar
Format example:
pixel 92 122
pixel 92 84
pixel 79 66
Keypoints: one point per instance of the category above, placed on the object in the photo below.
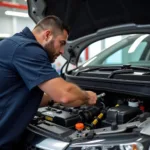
pixel 26 31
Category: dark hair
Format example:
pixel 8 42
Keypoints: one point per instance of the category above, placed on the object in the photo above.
pixel 52 21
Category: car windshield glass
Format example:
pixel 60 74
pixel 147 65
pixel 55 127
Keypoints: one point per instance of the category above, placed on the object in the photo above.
pixel 134 50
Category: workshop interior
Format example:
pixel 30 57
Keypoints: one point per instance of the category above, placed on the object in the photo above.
pixel 108 52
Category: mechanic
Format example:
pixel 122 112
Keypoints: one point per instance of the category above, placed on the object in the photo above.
pixel 26 74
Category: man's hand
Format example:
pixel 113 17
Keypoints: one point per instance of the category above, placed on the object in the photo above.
pixel 92 98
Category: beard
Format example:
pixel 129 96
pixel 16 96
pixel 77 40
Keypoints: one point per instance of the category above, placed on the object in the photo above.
pixel 49 47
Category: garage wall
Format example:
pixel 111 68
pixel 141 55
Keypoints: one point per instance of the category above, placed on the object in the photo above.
pixel 11 25
pixel 5 23
pixel 23 22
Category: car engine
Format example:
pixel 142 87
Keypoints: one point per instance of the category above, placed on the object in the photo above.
pixel 104 117
pixel 92 116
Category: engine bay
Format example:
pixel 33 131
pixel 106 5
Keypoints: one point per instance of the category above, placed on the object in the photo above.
pixel 73 122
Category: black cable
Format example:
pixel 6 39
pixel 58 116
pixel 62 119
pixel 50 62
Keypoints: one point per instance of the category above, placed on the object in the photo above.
pixel 61 71
pixel 66 70
pixel 71 53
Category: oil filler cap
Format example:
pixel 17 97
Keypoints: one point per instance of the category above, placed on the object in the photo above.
pixel 79 126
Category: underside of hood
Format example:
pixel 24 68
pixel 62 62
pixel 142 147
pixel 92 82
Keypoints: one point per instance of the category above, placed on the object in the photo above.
pixel 87 16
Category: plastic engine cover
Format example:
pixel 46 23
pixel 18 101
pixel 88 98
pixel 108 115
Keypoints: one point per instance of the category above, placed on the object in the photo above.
pixel 121 114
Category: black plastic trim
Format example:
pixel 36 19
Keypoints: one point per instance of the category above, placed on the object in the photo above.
pixel 137 88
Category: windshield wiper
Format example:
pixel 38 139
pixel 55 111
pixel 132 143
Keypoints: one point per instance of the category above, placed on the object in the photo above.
pixel 116 69
pixel 120 72
pixel 129 69
pixel 110 68
pixel 137 68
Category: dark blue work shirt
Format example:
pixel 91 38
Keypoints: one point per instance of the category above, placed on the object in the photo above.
pixel 24 64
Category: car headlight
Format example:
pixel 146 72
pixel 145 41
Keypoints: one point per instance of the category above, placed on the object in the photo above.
pixel 126 146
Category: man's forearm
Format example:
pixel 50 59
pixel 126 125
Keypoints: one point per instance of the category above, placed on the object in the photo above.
pixel 76 95
pixel 66 93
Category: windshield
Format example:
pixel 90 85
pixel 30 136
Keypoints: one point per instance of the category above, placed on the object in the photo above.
pixel 134 50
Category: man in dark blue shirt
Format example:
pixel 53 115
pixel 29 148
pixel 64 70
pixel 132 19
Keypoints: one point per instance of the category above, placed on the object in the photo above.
pixel 26 74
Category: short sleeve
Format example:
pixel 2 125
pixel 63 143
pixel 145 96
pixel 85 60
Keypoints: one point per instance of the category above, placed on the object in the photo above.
pixel 32 63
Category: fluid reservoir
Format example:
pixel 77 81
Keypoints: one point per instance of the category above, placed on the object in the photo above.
pixel 133 103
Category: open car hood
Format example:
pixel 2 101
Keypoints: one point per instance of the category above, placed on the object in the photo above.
pixel 85 17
